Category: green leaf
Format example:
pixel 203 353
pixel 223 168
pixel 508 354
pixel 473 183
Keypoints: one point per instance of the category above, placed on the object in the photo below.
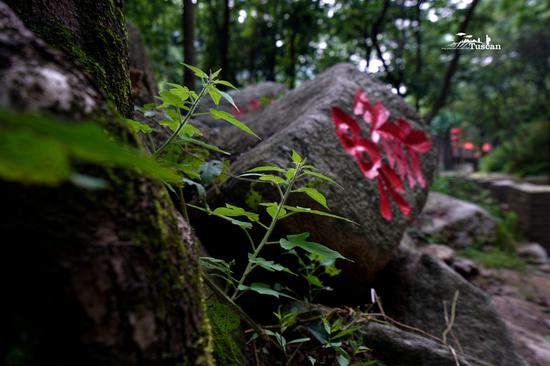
pixel 342 360
pixel 215 264
pixel 172 125
pixel 322 177
pixel 180 91
pixel 229 118
pixel 39 150
pixel 214 74
pixel 271 266
pixel 138 126
pixel 235 211
pixel 299 340
pixel 263 289
pixel 314 280
pixel 299 209
pixel 169 98
pixel 267 169
pixel 314 195
pixel 271 209
pixel 290 173
pixel 229 98
pixel 204 145
pixel 226 83
pixel 296 158
pixel 198 72
pixel 299 240
pixel 188 130
pixel 223 317
pixel 214 94
pixel 272 178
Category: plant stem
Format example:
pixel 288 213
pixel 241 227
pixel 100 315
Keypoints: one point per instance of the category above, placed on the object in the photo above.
pixel 183 122
pixel 250 266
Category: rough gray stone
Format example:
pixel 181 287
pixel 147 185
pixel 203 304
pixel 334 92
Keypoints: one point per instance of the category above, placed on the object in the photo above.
pixel 458 223
pixel 533 253
pixel 398 347
pixel 413 289
pixel 301 120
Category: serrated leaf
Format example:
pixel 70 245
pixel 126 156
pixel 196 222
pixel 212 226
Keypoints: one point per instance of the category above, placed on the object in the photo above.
pixel 314 195
pixel 300 241
pixel 229 118
pixel 223 317
pixel 198 72
pixel 272 178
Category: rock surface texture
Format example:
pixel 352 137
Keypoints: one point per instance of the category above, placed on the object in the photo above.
pixel 414 288
pixel 89 277
pixel 301 120
pixel 458 223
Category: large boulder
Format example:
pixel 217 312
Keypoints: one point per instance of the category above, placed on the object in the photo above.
pixel 301 120
pixel 250 101
pixel 455 222
pixel 413 289
pixel 398 347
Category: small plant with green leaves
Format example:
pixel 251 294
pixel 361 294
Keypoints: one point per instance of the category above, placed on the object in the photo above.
pixel 183 149
pixel 340 337
pixel 286 182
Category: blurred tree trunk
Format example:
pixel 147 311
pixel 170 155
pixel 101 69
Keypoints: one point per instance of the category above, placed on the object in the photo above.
pixel 89 277
pixel 188 43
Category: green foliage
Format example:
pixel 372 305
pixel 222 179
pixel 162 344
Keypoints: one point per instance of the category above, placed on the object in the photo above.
pixel 494 257
pixel 40 150
pixel 525 154
pixel 285 181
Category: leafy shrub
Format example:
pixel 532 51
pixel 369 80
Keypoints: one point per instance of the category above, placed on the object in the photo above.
pixel 526 154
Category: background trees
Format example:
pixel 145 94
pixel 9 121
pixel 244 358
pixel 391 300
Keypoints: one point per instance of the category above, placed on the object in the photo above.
pixel 491 93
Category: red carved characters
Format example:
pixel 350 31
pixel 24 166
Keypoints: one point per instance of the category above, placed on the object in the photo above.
pixel 398 140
